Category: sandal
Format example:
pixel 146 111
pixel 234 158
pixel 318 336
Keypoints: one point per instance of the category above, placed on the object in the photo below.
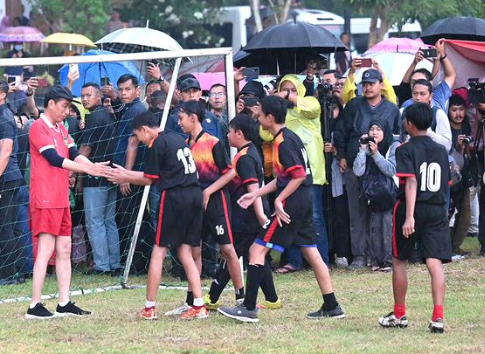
pixel 286 269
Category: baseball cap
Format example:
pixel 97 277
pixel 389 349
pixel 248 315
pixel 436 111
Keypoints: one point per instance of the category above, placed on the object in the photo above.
pixel 188 84
pixel 58 91
pixel 371 75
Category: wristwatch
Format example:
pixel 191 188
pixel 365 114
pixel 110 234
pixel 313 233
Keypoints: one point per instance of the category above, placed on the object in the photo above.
pixel 161 79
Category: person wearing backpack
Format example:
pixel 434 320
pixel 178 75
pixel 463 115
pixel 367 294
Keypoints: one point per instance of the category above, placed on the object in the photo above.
pixel 375 164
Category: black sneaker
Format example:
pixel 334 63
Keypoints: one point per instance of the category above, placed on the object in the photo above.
pixel 70 310
pixel 115 273
pixel 336 312
pixel 436 326
pixel 391 321
pixel 240 313
pixel 39 312
pixel 482 250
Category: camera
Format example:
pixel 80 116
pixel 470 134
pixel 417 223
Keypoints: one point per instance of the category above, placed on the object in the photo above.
pixel 269 87
pixel 476 92
pixel 467 140
pixel 366 140
pixel 324 89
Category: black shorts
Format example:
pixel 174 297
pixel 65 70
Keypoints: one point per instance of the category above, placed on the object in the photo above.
pixel 432 232
pixel 243 242
pixel 179 217
pixel 299 232
pixel 216 219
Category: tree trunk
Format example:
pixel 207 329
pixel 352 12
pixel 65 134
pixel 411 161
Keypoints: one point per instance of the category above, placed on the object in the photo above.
pixel 377 34
pixel 373 30
pixel 257 16
pixel 281 10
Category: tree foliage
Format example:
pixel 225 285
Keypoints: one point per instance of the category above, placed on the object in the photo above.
pixel 74 16
pixel 400 11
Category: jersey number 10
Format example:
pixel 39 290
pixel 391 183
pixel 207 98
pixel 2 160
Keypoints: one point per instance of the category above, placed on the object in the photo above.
pixel 185 156
pixel 430 177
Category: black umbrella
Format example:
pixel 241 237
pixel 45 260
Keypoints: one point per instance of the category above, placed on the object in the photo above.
pixel 288 47
pixel 464 28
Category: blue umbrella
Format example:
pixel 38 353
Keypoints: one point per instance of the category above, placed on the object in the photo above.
pixel 93 72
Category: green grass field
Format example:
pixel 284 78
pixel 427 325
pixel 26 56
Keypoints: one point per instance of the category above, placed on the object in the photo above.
pixel 115 327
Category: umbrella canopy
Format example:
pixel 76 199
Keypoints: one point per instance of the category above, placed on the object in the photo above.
pixel 397 45
pixel 465 28
pixel 93 72
pixel 139 40
pixel 21 34
pixel 69 38
pixel 394 65
pixel 288 47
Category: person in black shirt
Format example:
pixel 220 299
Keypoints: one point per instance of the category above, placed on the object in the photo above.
pixel 293 220
pixel 98 144
pixel 246 223
pixel 420 215
pixel 169 160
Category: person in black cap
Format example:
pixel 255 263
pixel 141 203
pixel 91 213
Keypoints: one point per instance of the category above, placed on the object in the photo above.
pixel 53 154
pixel 357 116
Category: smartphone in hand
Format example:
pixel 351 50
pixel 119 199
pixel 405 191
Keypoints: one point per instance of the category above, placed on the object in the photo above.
pixel 429 52
pixel 365 62
pixel 250 101
pixel 105 81
pixel 252 72
pixel 73 68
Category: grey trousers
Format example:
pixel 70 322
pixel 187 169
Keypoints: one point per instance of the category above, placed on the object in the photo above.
pixel 357 213
pixel 379 240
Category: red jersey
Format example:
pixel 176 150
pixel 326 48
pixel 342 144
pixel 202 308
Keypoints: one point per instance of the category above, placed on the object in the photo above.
pixel 49 185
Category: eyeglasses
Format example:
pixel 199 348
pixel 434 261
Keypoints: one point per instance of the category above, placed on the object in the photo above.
pixel 217 94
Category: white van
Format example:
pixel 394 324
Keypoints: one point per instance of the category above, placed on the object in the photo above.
pixel 359 29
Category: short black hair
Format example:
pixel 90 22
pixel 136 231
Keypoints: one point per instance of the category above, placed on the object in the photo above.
pixel 276 106
pixel 242 122
pixel 153 82
pixel 420 114
pixel 457 100
pixel 193 107
pixel 424 71
pixel 145 119
pixel 424 83
pixel 3 86
pixel 92 84
pixel 335 73
pixel 126 78
pixel 217 85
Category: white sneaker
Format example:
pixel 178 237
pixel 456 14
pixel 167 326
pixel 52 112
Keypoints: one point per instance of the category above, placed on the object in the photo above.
pixel 179 310
pixel 341 262
pixel 457 258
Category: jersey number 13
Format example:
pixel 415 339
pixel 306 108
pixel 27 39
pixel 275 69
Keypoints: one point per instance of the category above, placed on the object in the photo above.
pixel 185 156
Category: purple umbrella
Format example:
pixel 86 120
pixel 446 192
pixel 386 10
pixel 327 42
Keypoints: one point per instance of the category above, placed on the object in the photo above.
pixel 397 45
pixel 21 34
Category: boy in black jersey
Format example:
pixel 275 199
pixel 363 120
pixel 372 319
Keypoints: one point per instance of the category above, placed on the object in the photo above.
pixel 246 223
pixel 170 161
pixel 420 215
pixel 293 220
pixel 215 173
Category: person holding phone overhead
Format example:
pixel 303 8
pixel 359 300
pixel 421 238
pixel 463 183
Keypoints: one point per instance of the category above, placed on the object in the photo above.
pixel 350 87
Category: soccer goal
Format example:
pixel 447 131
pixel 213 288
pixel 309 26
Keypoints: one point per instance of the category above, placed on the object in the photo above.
pixel 134 222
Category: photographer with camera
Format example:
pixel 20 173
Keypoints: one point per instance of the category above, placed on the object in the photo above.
pixel 358 114
pixel 460 192
pixel 331 86
pixel 376 165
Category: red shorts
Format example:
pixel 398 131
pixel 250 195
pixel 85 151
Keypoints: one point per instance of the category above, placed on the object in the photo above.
pixel 54 221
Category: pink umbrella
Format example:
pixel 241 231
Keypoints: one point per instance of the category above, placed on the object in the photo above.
pixel 21 34
pixel 397 45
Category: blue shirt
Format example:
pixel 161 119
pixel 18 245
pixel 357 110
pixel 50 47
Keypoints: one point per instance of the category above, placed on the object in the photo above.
pixel 441 94
pixel 125 130
pixel 8 130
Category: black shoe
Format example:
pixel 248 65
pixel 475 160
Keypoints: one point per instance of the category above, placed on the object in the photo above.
pixel 117 272
pixel 436 326
pixel 240 313
pixel 70 310
pixel 482 250
pixel 39 312
pixel 9 281
pixel 336 312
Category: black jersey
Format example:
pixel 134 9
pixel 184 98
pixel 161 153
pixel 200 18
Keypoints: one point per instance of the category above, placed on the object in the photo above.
pixel 427 161
pixel 290 159
pixel 249 170
pixel 170 161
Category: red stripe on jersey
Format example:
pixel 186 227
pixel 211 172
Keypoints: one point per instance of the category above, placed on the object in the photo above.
pixel 226 169
pixel 394 242
pixel 151 176
pixel 296 171
pixel 250 180
pixel 271 230
pixel 160 215
pixel 405 175
pixel 226 215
